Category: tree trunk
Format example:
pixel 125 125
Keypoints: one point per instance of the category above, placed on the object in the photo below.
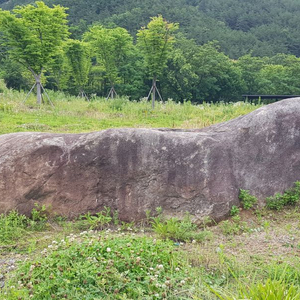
pixel 38 88
pixel 153 91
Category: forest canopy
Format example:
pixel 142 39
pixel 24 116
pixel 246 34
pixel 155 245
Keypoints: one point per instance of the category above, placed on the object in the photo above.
pixel 222 49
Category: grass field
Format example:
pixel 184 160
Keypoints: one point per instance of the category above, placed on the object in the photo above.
pixel 74 115
pixel 252 255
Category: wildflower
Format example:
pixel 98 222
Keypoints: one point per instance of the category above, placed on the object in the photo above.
pixel 160 266
pixel 108 249
pixel 182 282
pixel 177 269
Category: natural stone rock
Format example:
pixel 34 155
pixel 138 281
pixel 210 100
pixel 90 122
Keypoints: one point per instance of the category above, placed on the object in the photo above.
pixel 133 170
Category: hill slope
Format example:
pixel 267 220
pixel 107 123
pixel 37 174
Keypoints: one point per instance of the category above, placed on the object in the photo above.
pixel 265 27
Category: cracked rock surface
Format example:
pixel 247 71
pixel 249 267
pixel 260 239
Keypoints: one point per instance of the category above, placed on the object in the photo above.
pixel 134 170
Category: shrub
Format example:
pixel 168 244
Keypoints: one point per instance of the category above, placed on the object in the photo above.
pixel 178 230
pixel 248 201
pixel 289 197
pixel 234 210
pixel 12 226
pixel 98 221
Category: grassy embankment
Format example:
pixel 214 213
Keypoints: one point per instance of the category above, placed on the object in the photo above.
pixel 253 255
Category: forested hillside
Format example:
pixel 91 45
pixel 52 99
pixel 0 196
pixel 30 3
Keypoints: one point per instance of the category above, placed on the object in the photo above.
pixel 264 27
pixel 219 50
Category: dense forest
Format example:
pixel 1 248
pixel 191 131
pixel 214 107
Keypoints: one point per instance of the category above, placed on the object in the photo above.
pixel 264 27
pixel 223 48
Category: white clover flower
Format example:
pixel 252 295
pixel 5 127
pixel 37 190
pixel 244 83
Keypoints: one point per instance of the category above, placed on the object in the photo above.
pixel 160 266
pixel 108 249
pixel 177 269
pixel 156 295
pixel 50 246
pixel 151 269
pixel 182 282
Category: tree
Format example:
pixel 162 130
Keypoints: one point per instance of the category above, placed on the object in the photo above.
pixel 78 54
pixel 155 41
pixel 111 47
pixel 33 34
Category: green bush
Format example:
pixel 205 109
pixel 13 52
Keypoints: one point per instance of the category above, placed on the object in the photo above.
pixel 289 198
pixel 247 200
pixel 234 210
pixel 99 221
pixel 94 266
pixel 12 226
pixel 177 230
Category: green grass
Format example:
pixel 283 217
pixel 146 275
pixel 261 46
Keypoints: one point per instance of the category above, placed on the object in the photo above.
pixel 74 115
pixel 133 262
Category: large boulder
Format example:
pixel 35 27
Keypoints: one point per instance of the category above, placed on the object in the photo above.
pixel 134 170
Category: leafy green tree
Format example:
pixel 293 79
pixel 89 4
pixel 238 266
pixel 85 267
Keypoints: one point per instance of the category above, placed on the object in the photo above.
pixel 111 47
pixel 250 67
pixel 33 34
pixel 155 41
pixel 78 54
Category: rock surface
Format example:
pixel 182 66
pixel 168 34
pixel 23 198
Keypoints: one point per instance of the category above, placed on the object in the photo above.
pixel 134 170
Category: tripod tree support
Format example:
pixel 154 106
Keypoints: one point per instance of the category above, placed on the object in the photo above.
pixel 155 42
pixel 111 46
pixel 153 91
pixel 112 93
